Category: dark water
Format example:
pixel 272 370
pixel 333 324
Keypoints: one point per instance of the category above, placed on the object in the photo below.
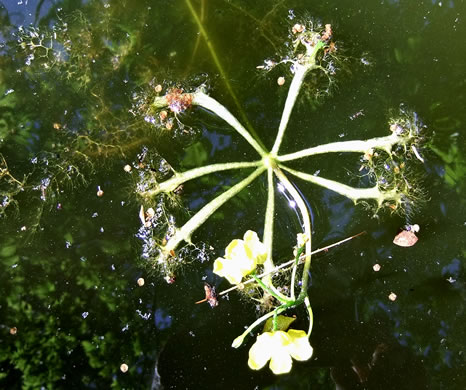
pixel 70 260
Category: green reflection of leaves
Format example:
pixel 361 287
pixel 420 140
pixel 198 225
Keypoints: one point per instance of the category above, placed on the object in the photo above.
pixel 195 155
pixel 39 294
pixel 455 165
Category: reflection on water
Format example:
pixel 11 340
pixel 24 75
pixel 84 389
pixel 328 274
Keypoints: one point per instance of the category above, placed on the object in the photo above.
pixel 71 309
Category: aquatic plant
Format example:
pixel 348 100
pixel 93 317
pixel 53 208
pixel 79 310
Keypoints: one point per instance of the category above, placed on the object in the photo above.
pixel 249 263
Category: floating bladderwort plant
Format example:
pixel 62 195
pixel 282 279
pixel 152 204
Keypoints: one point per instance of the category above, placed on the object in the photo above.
pixel 248 263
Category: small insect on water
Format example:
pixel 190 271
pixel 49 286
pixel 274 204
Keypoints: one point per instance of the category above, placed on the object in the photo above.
pixel 210 295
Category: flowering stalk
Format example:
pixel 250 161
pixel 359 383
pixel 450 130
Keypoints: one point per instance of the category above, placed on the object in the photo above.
pixel 280 297
pixel 268 235
pixel 306 226
pixel 311 315
pixel 239 340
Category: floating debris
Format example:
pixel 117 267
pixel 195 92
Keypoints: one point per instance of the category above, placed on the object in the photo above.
pixel 376 267
pixel 210 295
pixel 100 192
pixel 163 115
pixel 146 217
pixel 281 81
pixel 407 237
pixel 327 34
pixel 13 330
pixel 124 368
pixel 392 297
pixel 141 282
pixel 127 168
pixel 170 279
pixel 298 28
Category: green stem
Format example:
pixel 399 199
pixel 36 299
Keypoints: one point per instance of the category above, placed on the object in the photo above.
pixel 307 230
pixel 279 297
pixel 203 100
pixel 185 232
pixel 355 194
pixel 268 230
pixel 239 340
pixel 311 315
pixel 275 320
pixel 385 143
pixel 179 178
pixel 281 309
pixel 294 269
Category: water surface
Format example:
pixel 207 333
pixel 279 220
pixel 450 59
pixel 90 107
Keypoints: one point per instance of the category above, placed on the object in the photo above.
pixel 70 259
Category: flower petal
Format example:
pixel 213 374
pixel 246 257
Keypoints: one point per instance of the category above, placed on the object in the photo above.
pixel 260 352
pixel 280 363
pixel 299 347
pixel 227 269
pixel 246 265
pixel 235 249
pixel 257 248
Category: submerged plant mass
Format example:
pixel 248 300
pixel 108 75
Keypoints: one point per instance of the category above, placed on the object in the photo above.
pixel 249 263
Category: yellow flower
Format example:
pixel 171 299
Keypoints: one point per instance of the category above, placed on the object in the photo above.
pixel 241 258
pixel 279 347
